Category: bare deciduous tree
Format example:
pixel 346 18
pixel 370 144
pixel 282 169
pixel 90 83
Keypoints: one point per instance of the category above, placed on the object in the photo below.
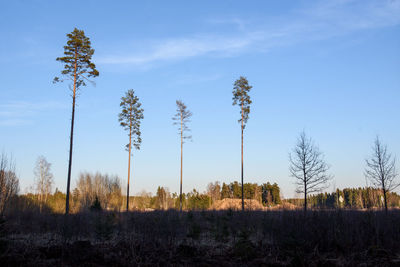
pixel 106 188
pixel 143 201
pixel 162 198
pixel 381 169
pixel 9 183
pixel 43 180
pixel 241 88
pixel 181 118
pixel 214 191
pixel 308 166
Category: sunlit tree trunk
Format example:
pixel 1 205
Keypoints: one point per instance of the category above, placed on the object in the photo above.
pixel 129 166
pixel 242 159
pixel 180 195
pixel 71 137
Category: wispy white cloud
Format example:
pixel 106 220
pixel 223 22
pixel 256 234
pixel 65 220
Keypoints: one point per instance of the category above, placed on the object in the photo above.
pixel 25 105
pixel 16 113
pixel 239 23
pixel 180 48
pixel 338 17
pixel 196 79
pixel 15 122
pixel 323 20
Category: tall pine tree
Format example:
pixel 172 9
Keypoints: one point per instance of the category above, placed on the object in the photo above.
pixel 130 118
pixel 78 68
pixel 241 89
pixel 181 118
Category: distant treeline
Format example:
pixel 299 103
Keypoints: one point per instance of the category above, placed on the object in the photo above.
pixel 352 198
pixel 98 191
pixel 268 194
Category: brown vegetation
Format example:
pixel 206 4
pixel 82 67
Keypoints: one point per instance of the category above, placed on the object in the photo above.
pixel 236 204
pixel 223 238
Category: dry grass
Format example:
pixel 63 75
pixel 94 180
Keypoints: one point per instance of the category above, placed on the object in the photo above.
pixel 223 238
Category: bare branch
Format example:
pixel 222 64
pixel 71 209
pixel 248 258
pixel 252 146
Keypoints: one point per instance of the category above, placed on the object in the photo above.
pixel 308 167
pixel 381 169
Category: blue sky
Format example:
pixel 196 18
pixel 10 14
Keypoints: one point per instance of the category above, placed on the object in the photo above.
pixel 330 68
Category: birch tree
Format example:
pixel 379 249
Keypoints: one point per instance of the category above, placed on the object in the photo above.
pixel 181 119
pixel 78 68
pixel 241 89
pixel 130 119
pixel 43 180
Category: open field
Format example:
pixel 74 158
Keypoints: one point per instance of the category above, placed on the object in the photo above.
pixel 223 238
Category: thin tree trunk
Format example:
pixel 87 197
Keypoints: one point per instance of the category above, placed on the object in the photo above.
pixel 180 194
pixel 242 161
pixel 305 184
pixel 385 200
pixel 71 138
pixel 382 174
pixel 40 202
pixel 337 199
pixel 129 166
